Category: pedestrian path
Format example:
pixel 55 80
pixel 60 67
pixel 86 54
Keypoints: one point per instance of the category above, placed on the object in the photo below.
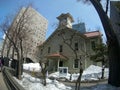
pixel 2 83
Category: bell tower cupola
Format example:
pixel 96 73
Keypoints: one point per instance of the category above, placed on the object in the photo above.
pixel 65 20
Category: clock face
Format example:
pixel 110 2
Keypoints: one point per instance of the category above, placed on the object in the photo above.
pixel 63 22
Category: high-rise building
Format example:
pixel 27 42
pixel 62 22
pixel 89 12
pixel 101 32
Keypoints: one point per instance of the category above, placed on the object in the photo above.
pixel 34 27
pixel 80 27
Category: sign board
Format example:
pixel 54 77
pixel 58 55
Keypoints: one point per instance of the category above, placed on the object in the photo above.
pixel 63 71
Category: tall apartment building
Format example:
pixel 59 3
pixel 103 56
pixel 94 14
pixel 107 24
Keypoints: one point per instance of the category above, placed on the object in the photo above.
pixel 34 27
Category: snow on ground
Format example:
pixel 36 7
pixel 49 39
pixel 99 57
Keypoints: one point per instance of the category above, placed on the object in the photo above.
pixel 31 83
pixel 91 73
pixel 32 67
pixel 94 73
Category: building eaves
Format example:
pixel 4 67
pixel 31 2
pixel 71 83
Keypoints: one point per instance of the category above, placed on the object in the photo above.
pixel 77 33
pixel 93 34
pixel 57 55
pixel 59 30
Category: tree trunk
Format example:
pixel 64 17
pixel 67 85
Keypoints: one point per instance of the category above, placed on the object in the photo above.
pixel 102 77
pixel 44 77
pixel 44 80
pixel 103 67
pixel 13 52
pixel 18 67
pixel 8 51
pixel 21 61
pixel 114 67
pixel 113 45
pixel 78 82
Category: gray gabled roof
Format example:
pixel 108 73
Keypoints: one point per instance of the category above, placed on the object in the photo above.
pixel 66 28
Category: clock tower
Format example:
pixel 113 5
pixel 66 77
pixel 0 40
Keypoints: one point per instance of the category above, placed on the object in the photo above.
pixel 65 20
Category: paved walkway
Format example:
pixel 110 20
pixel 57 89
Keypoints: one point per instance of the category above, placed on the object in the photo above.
pixel 2 83
pixel 86 84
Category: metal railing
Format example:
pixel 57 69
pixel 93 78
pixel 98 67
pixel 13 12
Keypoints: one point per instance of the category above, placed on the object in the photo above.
pixel 11 83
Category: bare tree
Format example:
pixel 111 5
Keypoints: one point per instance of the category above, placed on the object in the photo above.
pixel 3 28
pixel 100 56
pixel 43 61
pixel 16 34
pixel 69 42
pixel 44 67
pixel 112 42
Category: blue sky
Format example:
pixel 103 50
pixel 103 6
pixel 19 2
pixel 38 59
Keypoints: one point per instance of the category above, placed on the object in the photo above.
pixel 50 9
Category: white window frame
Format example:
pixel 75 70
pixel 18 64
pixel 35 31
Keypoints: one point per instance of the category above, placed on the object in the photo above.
pixel 74 64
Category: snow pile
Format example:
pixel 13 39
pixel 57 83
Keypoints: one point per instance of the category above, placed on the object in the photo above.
pixel 56 75
pixel 32 67
pixel 91 73
pixel 31 83
pixel 94 73
pixel 92 69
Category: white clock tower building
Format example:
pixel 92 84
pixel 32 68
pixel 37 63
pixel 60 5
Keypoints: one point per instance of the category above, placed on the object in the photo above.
pixel 65 20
